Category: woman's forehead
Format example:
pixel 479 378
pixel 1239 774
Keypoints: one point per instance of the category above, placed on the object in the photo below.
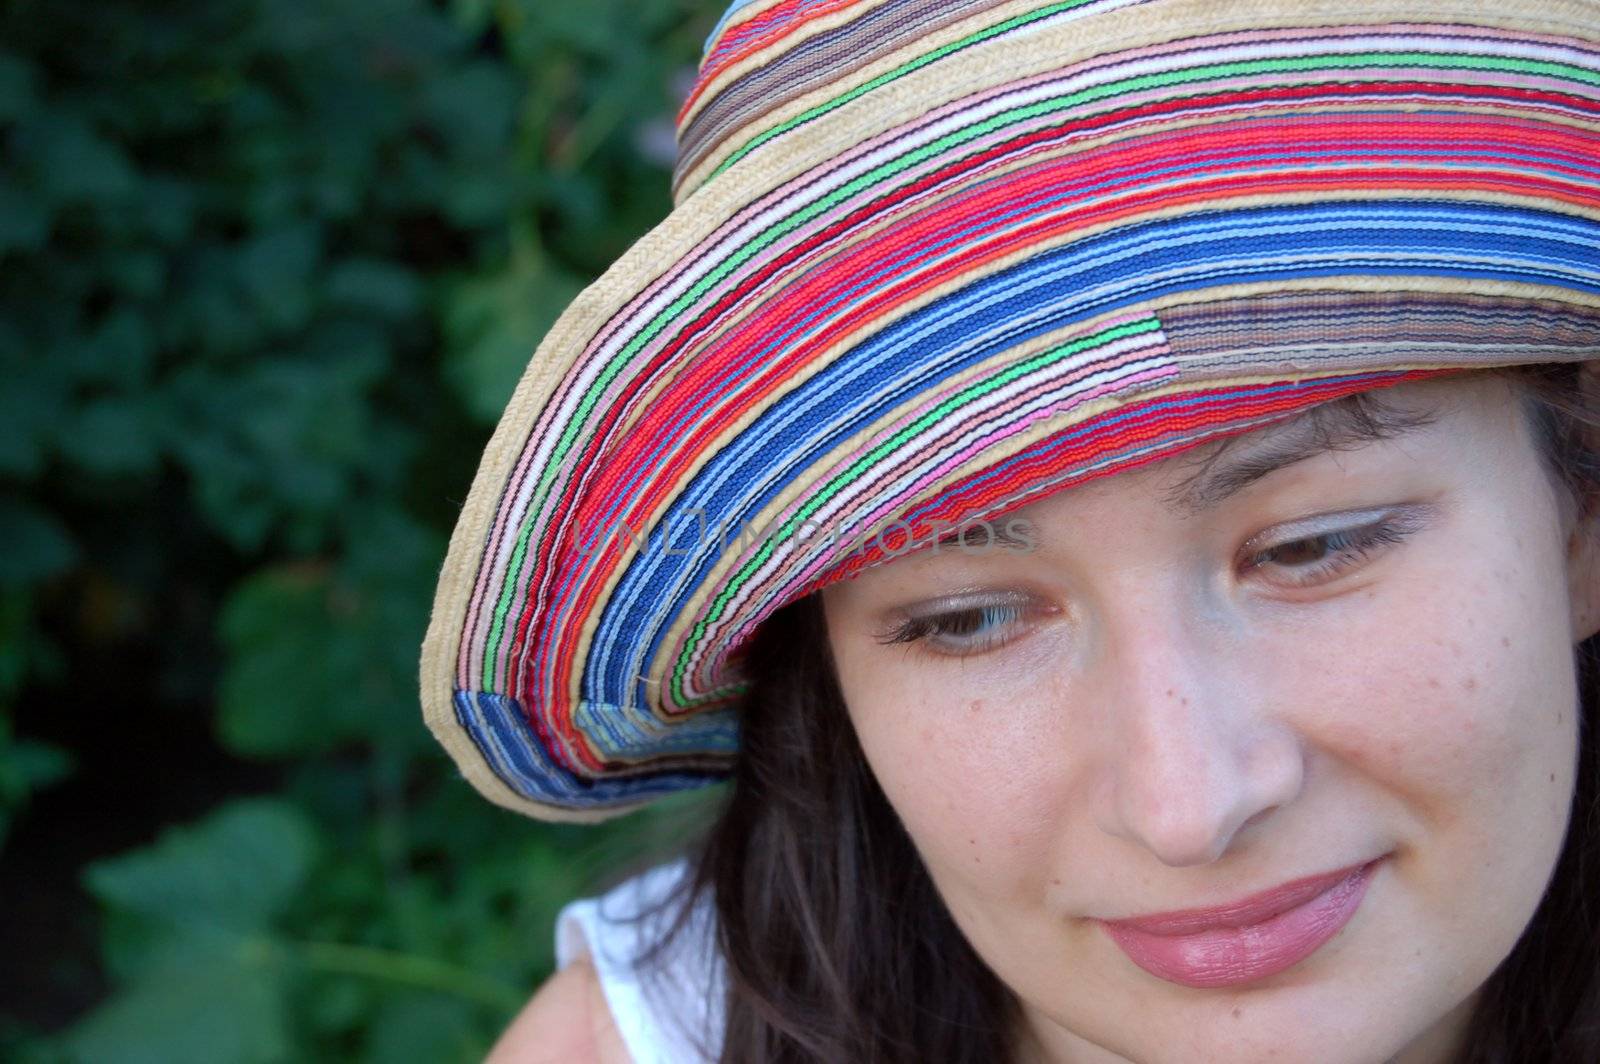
pixel 1199 480
pixel 1432 420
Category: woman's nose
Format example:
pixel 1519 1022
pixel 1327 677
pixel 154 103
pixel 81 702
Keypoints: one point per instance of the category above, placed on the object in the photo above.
pixel 1191 753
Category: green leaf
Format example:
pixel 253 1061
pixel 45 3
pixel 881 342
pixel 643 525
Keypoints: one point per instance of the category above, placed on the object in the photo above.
pixel 25 766
pixel 111 436
pixel 35 397
pixel 493 323
pixel 235 869
pixel 276 270
pixel 24 219
pixel 117 353
pixel 276 696
pixel 587 30
pixel 473 108
pixel 283 443
pixel 168 208
pixel 37 545
pixel 318 657
pixel 71 162
pixel 385 288
pixel 139 273
pixel 424 1029
pixel 207 999
pixel 25 652
pixel 17 77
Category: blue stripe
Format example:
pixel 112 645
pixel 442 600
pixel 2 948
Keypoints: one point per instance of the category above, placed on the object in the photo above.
pixel 716 31
pixel 516 757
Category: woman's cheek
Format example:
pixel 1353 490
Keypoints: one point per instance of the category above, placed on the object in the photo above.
pixel 1435 711
pixel 969 768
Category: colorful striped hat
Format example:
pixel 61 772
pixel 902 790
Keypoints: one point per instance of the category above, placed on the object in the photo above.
pixel 930 260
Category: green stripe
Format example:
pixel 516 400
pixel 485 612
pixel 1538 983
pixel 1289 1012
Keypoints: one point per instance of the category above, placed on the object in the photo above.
pixel 909 67
pixel 1354 61
pixel 893 75
pixel 891 444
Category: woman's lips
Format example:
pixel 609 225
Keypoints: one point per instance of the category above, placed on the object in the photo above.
pixel 1245 940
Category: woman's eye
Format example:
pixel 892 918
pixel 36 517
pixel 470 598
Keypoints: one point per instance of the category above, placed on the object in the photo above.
pixel 959 633
pixel 1312 560
pixel 1302 562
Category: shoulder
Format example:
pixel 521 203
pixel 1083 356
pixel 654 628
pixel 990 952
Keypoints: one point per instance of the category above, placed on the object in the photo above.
pixel 567 1022
pixel 627 988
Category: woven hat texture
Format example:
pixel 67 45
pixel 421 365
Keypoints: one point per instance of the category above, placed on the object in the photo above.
pixel 930 260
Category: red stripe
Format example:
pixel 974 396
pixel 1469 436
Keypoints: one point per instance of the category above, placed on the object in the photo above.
pixel 717 61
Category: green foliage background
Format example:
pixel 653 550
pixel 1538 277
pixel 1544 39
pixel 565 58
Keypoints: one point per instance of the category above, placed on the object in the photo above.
pixel 268 272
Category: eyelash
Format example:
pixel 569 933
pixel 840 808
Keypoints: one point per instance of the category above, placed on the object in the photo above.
pixel 1358 543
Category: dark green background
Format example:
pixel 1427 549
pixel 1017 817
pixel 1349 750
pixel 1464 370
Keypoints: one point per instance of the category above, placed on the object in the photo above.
pixel 268 272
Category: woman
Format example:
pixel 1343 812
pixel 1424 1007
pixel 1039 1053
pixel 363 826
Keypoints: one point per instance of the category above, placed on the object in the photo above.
pixel 1113 484
pixel 1291 732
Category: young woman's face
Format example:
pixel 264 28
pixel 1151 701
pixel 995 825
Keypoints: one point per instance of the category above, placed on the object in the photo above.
pixel 1362 656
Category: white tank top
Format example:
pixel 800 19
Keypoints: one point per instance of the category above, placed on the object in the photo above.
pixel 668 1014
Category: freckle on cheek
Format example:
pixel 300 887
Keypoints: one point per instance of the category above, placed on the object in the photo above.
pixel 1470 683
pixel 1433 681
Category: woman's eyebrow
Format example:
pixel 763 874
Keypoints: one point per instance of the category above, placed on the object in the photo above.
pixel 1339 425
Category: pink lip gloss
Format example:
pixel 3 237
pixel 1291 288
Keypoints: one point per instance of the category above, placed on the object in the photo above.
pixel 1239 943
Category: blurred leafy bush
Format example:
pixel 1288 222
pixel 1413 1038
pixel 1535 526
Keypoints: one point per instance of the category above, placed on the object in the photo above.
pixel 267 274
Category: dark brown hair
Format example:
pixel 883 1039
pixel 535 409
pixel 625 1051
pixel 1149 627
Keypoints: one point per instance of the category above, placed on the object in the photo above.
pixel 839 949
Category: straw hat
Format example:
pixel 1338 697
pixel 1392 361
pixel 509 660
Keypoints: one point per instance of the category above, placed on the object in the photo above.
pixel 932 259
